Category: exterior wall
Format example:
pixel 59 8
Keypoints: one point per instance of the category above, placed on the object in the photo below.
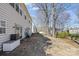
pixel 34 29
pixel 74 31
pixel 11 16
pixel 27 14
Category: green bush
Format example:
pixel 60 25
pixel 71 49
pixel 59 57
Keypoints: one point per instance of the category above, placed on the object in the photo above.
pixel 76 36
pixel 65 34
pixel 62 34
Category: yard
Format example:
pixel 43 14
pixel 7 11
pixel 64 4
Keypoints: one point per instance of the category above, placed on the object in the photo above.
pixel 44 45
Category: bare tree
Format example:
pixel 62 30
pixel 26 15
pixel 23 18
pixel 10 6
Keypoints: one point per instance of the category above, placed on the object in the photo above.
pixel 77 14
pixel 34 23
pixel 44 13
pixel 62 20
pixel 57 9
pixel 46 10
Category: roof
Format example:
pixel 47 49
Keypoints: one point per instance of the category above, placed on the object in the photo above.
pixel 23 6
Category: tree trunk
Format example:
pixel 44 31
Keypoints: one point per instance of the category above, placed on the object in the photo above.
pixel 54 32
pixel 54 29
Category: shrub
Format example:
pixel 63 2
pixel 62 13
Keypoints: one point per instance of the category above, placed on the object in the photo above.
pixel 76 36
pixel 62 34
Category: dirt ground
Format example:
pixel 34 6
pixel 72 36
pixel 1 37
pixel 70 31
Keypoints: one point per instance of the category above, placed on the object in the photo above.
pixel 62 47
pixel 33 46
pixel 44 45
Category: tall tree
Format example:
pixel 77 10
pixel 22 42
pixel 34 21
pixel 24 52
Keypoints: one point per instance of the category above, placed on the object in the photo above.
pixel 50 9
pixel 57 9
pixel 62 20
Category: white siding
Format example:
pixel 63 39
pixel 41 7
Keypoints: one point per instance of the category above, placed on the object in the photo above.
pixel 11 16
pixel 74 31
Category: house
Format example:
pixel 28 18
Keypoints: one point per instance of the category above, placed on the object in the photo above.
pixel 14 19
pixel 74 30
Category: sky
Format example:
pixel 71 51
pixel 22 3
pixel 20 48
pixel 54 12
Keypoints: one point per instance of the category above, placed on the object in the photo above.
pixel 72 22
pixel 31 9
pixel 33 12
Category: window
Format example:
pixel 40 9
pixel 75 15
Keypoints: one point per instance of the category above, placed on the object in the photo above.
pixel 3 23
pixel 12 4
pixel 18 30
pixel 25 17
pixel 20 12
pixel 2 30
pixel 29 21
pixel 17 8
pixel 2 27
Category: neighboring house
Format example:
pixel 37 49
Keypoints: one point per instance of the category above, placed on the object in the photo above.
pixel 14 19
pixel 34 28
pixel 42 28
pixel 74 30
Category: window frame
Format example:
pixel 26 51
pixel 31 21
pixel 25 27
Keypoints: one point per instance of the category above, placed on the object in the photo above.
pixel 2 27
